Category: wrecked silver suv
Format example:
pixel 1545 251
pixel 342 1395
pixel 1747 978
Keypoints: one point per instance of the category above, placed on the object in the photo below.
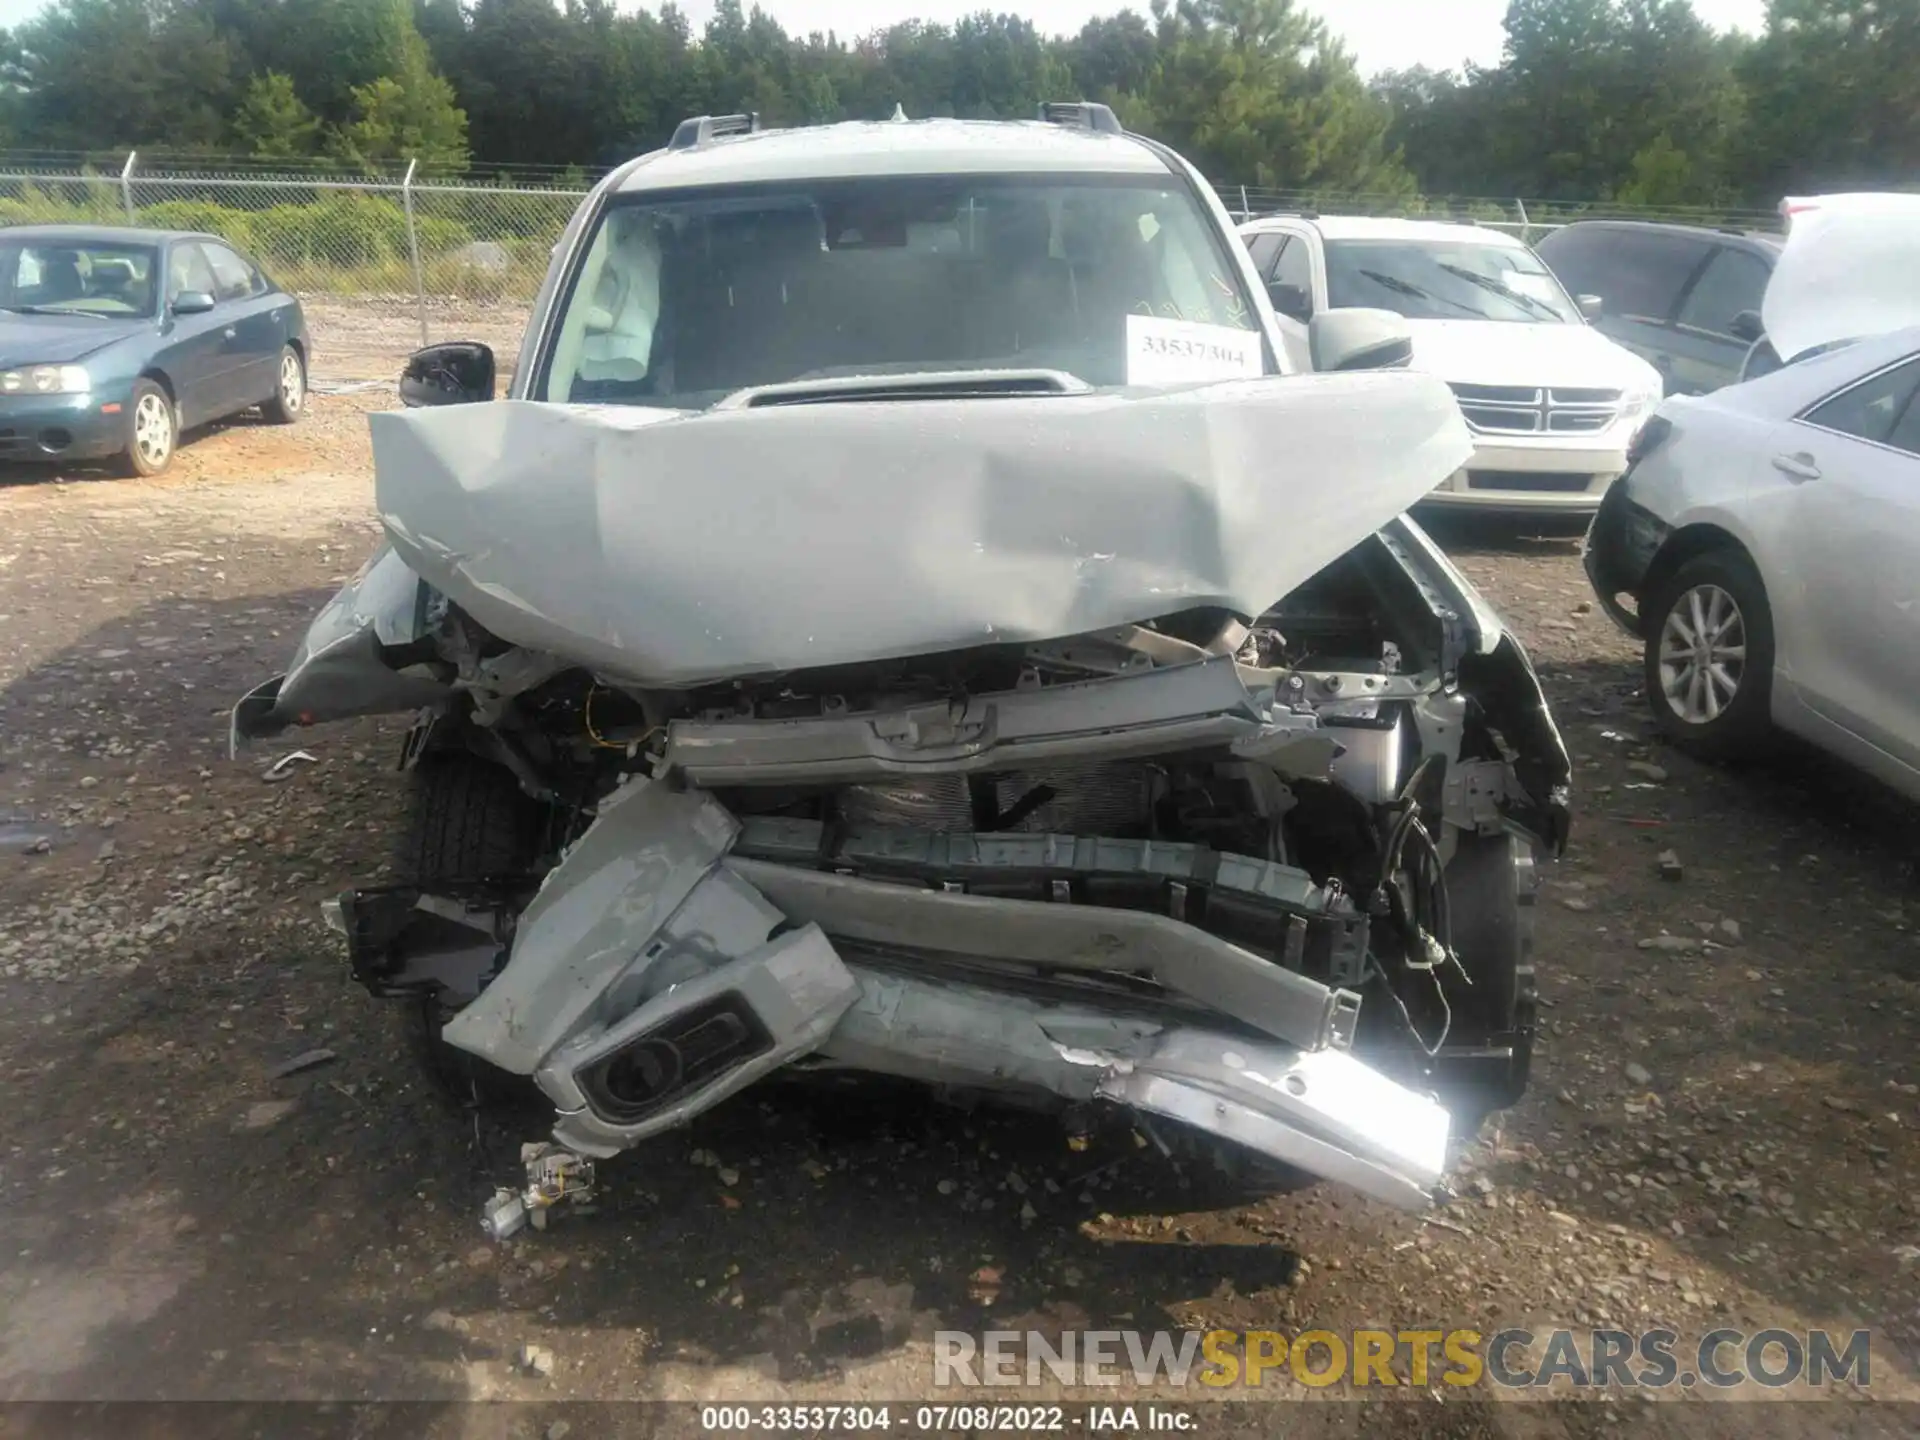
pixel 905 621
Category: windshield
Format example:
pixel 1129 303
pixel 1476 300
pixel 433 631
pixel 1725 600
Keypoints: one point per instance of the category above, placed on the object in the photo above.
pixel 1444 280
pixel 79 277
pixel 681 301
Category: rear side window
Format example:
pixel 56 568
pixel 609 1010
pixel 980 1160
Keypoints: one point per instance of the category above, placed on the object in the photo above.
pixel 187 269
pixel 1733 281
pixel 1871 409
pixel 236 278
pixel 1639 274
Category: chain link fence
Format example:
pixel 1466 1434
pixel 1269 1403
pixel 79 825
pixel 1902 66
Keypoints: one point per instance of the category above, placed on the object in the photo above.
pixel 403 239
pixel 408 252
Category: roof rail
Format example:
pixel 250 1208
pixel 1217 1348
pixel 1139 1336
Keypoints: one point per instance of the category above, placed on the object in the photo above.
pixel 705 129
pixel 1085 115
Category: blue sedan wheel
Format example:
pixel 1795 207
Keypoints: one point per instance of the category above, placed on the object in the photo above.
pixel 290 394
pixel 153 427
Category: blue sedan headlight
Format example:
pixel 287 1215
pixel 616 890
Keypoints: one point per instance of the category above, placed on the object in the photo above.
pixel 46 380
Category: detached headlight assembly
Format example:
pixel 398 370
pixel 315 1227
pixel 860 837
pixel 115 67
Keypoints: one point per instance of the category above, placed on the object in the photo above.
pixel 46 380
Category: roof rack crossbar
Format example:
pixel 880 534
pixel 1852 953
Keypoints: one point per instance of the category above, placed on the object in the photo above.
pixel 1081 113
pixel 701 130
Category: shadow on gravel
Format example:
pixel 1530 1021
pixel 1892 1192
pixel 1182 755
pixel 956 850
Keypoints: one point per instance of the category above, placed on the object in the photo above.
pixel 1461 532
pixel 1772 1055
pixel 1791 800
pixel 111 468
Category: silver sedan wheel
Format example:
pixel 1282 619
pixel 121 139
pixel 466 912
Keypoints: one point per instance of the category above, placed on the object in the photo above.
pixel 1703 654
pixel 293 383
pixel 153 429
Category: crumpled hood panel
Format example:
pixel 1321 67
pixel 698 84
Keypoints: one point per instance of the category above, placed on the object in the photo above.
pixel 673 548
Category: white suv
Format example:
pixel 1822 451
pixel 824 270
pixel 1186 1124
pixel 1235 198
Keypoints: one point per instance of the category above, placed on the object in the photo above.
pixel 1553 404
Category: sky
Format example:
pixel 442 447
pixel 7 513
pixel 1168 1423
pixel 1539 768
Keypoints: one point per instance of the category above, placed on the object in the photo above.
pixel 1384 34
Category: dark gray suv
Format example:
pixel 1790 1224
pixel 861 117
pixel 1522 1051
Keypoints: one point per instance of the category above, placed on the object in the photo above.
pixel 1687 299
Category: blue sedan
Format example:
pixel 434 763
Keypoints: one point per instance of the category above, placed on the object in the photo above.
pixel 113 341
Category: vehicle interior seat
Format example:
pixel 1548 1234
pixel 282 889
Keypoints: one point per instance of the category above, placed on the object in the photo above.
pixel 750 297
pixel 60 279
pixel 114 280
pixel 1015 294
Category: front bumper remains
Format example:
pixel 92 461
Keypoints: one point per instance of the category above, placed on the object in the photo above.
pixel 1620 548
pixel 667 962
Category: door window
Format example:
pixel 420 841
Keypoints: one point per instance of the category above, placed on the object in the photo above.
pixel 1734 281
pixel 235 278
pixel 1295 266
pixel 1265 249
pixel 187 269
pixel 1871 409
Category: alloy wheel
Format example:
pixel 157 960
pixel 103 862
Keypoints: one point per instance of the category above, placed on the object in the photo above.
pixel 293 383
pixel 1703 654
pixel 153 429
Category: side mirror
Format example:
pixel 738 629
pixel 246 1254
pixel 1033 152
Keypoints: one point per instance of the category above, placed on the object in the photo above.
pixel 1762 359
pixel 1747 326
pixel 1291 300
pixel 1592 307
pixel 457 373
pixel 192 302
pixel 1357 339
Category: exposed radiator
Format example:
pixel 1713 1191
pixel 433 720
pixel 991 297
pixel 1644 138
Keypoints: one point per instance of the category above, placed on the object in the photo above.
pixel 1087 800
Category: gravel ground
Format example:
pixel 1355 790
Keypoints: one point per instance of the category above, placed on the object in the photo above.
pixel 1722 1129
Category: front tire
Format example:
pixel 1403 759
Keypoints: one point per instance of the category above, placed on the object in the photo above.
pixel 469 823
pixel 1709 656
pixel 289 398
pixel 1491 889
pixel 153 430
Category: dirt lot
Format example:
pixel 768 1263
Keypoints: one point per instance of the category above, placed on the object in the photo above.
pixel 1722 1131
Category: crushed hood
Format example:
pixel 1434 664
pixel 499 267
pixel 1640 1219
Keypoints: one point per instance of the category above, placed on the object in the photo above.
pixel 673 548
pixel 1492 352
pixel 1850 269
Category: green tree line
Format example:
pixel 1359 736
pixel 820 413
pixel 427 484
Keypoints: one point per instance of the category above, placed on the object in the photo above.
pixel 1635 101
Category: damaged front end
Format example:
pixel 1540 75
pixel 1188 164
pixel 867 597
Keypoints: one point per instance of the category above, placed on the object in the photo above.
pixel 1195 860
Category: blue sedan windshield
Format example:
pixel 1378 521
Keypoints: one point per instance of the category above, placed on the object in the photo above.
pixel 77 277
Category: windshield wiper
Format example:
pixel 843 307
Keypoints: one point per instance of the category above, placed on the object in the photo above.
pixel 1396 284
pixel 53 310
pixel 1414 292
pixel 1493 286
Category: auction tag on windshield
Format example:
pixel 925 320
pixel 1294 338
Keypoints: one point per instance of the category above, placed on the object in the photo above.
pixel 1170 352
